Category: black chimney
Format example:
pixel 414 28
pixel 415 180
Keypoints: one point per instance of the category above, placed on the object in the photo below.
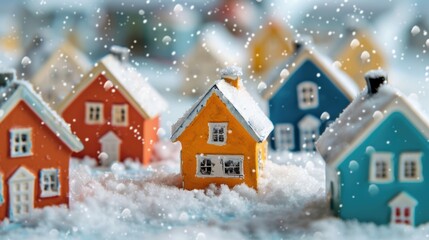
pixel 6 77
pixel 374 79
pixel 121 53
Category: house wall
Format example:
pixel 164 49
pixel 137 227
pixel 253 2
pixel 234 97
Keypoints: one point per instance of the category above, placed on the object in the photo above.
pixel 396 134
pixel 284 108
pixel 352 63
pixel 48 152
pixel 194 142
pixel 271 45
pixel 132 136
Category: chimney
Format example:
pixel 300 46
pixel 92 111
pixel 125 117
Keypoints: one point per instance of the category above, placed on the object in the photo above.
pixel 6 77
pixel 231 75
pixel 120 53
pixel 303 41
pixel 374 79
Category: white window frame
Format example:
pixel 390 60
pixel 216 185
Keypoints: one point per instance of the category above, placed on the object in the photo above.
pixel 285 136
pixel 308 95
pixel 88 119
pixel 218 165
pixel 117 115
pixel 19 132
pixel 416 158
pixel 380 157
pixel 49 182
pixel 212 127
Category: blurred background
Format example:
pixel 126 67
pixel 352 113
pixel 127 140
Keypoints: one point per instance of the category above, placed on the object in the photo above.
pixel 162 35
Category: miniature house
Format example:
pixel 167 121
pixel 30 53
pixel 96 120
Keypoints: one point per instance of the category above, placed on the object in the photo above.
pixel 358 52
pixel 223 136
pixel 304 93
pixel 271 44
pixel 215 49
pixel 115 111
pixel 55 68
pixel 376 156
pixel 35 150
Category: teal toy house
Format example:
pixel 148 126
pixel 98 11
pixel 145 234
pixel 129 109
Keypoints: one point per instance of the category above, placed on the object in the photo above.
pixel 377 158
pixel 304 93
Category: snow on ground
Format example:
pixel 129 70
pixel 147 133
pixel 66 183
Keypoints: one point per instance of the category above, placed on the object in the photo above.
pixel 290 204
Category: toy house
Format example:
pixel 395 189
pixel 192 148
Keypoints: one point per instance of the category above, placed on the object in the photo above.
pixel 115 111
pixel 215 49
pixel 35 149
pixel 304 93
pixel 271 44
pixel 223 136
pixel 376 156
pixel 56 67
pixel 358 52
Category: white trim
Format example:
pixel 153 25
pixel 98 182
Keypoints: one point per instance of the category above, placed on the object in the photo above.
pixel 94 113
pixel 49 181
pixel 217 133
pixel 284 136
pixel 402 209
pixel 21 193
pixel 2 200
pixel 216 166
pixel 381 167
pixel 308 95
pixel 410 161
pixel 308 133
pixel 120 115
pixel 20 140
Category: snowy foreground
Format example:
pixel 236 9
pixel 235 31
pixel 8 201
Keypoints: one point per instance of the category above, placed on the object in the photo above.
pixel 134 203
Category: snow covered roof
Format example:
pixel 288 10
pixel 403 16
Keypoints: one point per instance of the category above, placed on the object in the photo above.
pixel 222 45
pixel 19 90
pixel 361 117
pixel 291 64
pixel 239 103
pixel 131 83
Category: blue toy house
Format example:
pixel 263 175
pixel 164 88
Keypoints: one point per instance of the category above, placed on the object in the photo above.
pixel 303 94
pixel 377 158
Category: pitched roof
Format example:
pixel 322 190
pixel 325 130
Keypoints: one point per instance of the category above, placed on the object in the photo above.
pixel 239 103
pixel 361 117
pixel 294 62
pixel 129 82
pixel 19 90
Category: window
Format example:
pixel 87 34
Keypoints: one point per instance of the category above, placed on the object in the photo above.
pixel 94 113
pixel 308 95
pixel 232 167
pixel 309 132
pixel 220 166
pixel 217 133
pixel 20 142
pixel 49 183
pixel 284 137
pixel 381 167
pixel 120 115
pixel 410 167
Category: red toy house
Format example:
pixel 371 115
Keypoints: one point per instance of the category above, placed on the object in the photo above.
pixel 114 111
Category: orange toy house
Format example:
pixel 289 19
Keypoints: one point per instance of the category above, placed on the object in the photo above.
pixel 223 136
pixel 114 111
pixel 35 150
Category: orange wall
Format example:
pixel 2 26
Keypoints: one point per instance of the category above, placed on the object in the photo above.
pixel 133 136
pixel 266 56
pixel 48 152
pixel 194 142
pixel 352 64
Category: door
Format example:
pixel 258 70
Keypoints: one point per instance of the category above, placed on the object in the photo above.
pixel 110 146
pixel 21 193
pixel 402 209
